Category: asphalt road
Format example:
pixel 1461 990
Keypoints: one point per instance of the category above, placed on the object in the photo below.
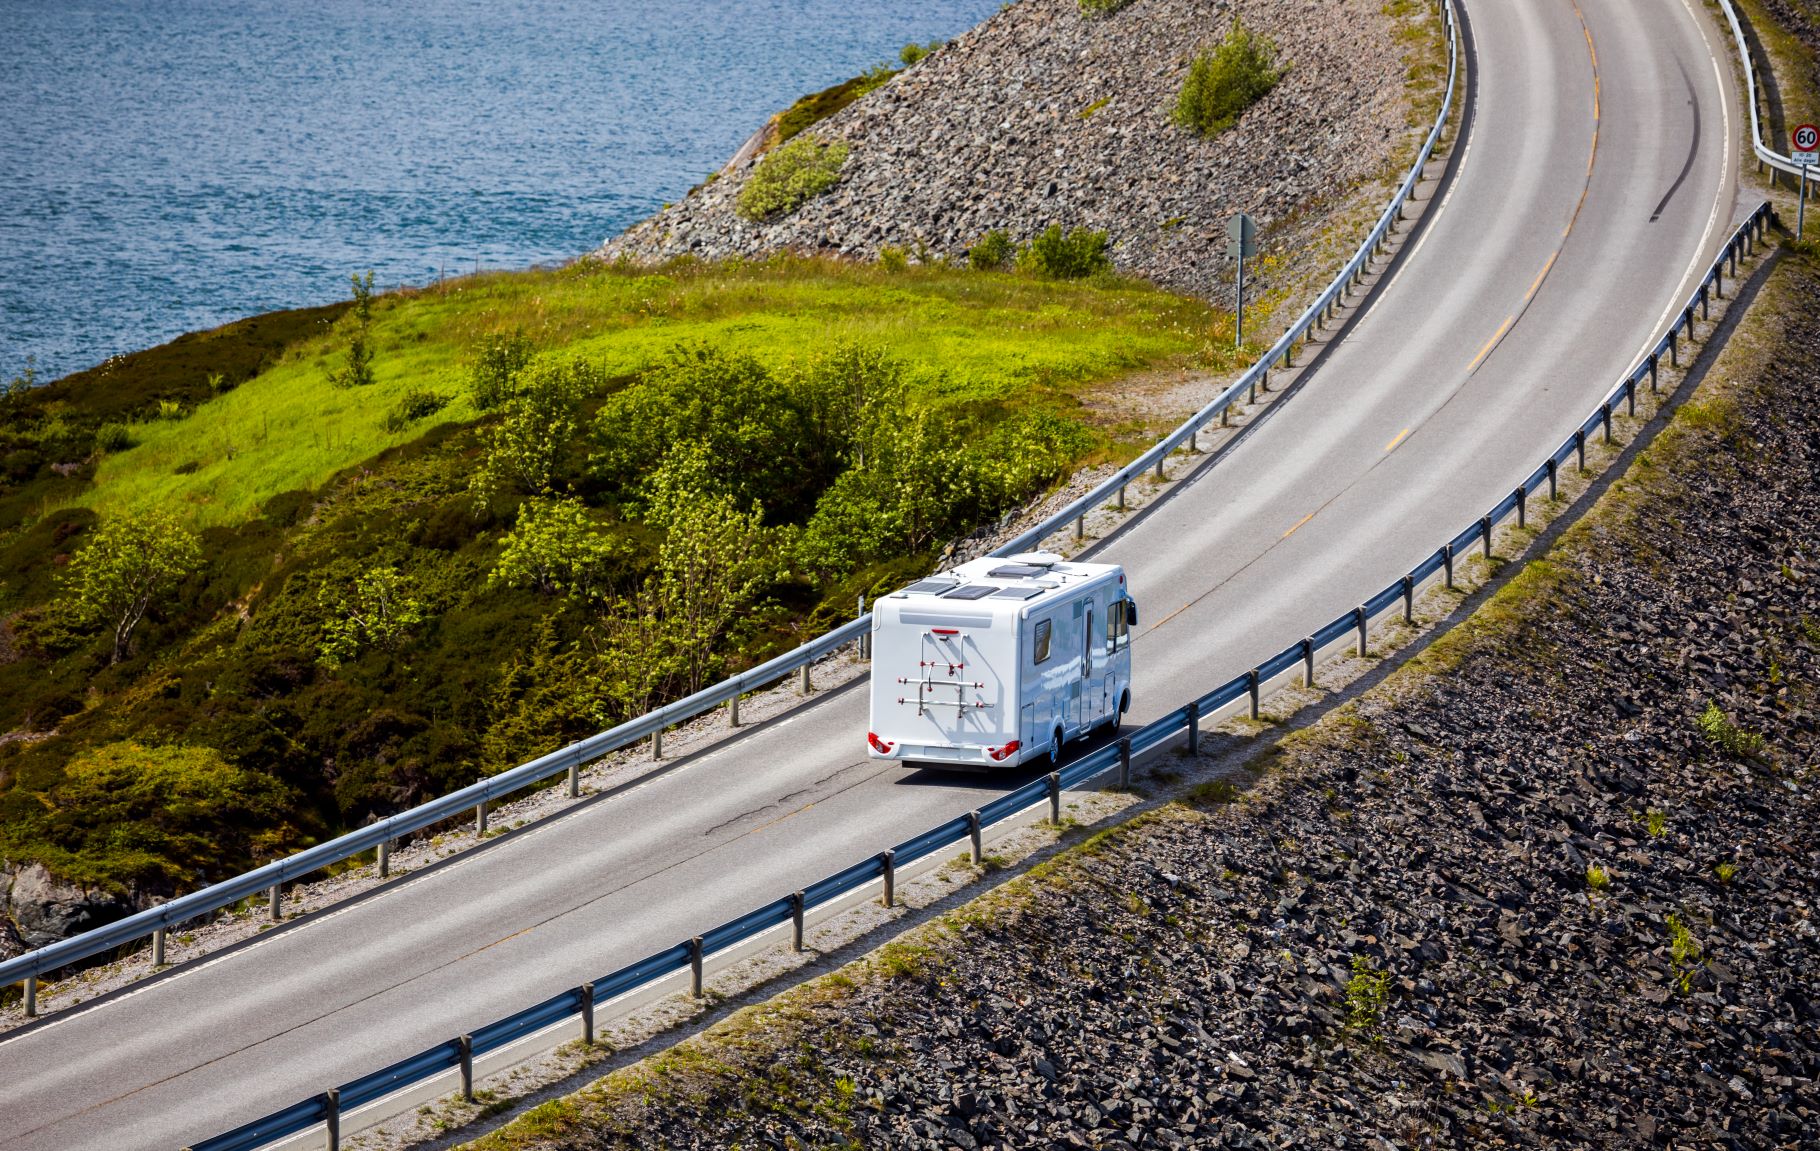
pixel 1548 267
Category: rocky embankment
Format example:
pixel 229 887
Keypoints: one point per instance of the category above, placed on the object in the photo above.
pixel 1554 885
pixel 1043 114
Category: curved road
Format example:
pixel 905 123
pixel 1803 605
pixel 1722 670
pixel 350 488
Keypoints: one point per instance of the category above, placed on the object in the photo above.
pixel 1598 174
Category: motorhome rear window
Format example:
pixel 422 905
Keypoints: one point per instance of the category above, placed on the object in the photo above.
pixel 971 591
pixel 1017 593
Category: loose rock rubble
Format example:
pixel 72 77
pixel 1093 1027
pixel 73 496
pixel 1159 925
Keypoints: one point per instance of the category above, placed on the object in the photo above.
pixel 1044 115
pixel 1529 892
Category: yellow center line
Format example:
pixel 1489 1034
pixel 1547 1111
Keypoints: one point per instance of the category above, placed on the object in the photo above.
pixel 1298 524
pixel 1391 446
pixel 1540 276
pixel 1490 344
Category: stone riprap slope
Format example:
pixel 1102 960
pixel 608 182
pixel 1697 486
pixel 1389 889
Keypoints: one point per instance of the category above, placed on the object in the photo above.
pixel 1044 115
pixel 1541 898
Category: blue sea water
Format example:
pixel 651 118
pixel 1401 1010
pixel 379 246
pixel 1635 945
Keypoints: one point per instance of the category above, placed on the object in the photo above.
pixel 167 165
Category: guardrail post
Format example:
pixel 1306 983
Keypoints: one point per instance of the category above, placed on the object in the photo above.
pixel 466 1044
pixel 1652 374
pixel 1552 469
pixel 331 1117
pixel 385 858
pixel 1719 277
pixel 806 686
pixel 1605 418
pixel 1308 662
pixel 796 921
pixel 695 967
pixel 31 997
pixel 1522 508
pixel 1364 622
pixel 1630 396
pixel 657 744
pixel 1080 524
pixel 1124 768
pixel 1447 562
pixel 157 948
pixel 1409 599
pixel 1122 497
pixel 888 859
pixel 1580 447
pixel 1703 307
pixel 1264 379
pixel 859 645
pixel 1253 394
pixel 587 1013
pixel 480 818
pixel 575 781
pixel 1226 416
pixel 1289 355
pixel 276 896
pixel 1194 727
pixel 1251 689
pixel 1159 466
pixel 1485 536
pixel 973 835
pixel 1054 780
pixel 733 711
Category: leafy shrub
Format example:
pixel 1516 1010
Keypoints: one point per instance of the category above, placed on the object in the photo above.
pixel 893 259
pixel 358 371
pixel 557 549
pixel 170 409
pixel 113 438
pixel 911 53
pixel 1097 8
pixel 534 430
pixel 992 250
pixel 1055 255
pixel 1367 994
pixel 790 176
pixel 415 405
pixel 1222 83
pixel 1722 733
pixel 492 379
pixel 379 610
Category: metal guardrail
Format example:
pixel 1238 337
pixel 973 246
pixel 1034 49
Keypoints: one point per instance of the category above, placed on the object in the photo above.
pixel 28 968
pixel 1764 153
pixel 458 1054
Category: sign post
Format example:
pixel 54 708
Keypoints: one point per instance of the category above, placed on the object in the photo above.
pixel 1242 234
pixel 1806 139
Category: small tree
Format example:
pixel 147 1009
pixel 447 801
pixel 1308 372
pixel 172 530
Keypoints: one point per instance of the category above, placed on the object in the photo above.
pixel 556 549
pixel 533 431
pixel 378 611
pixel 129 565
pixel 992 250
pixel 1222 83
pixel 359 370
pixel 494 376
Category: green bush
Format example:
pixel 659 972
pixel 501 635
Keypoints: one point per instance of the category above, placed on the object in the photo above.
pixel 913 52
pixel 495 372
pixel 1097 8
pixel 413 406
pixel 790 176
pixel 1222 83
pixel 992 250
pixel 113 438
pixel 1055 255
pixel 893 259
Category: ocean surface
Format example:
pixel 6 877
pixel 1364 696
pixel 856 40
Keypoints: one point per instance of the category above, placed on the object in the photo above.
pixel 168 165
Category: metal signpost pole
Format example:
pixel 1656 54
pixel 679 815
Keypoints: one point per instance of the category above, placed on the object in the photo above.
pixel 1242 232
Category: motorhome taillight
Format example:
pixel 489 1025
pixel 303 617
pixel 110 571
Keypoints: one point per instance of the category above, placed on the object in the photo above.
pixel 882 746
pixel 1001 752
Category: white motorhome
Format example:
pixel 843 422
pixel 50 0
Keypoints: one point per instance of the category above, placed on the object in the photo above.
pixel 1000 661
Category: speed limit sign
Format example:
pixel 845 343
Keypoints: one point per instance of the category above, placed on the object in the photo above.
pixel 1806 138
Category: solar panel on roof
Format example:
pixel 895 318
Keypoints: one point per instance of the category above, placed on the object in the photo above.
pixel 1025 592
pixel 931 586
pixel 1015 571
pixel 971 591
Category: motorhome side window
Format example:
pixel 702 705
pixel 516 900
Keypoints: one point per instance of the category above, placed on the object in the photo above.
pixel 1041 654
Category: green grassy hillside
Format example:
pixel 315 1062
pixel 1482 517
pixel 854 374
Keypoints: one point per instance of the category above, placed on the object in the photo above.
pixel 564 496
